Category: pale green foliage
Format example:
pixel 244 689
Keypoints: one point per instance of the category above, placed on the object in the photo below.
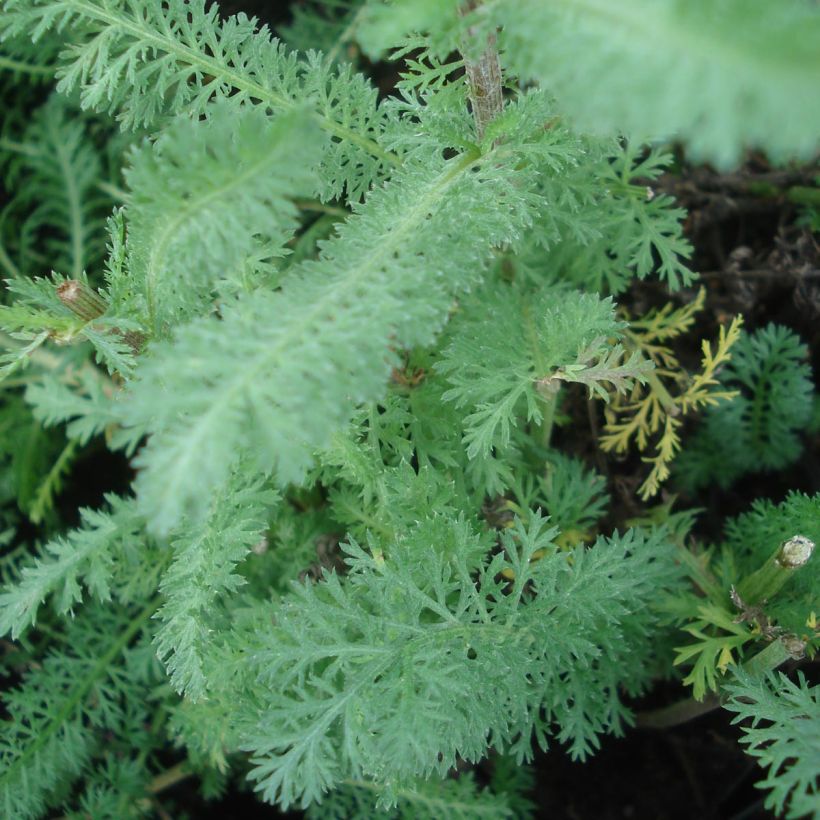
pixel 783 733
pixel 759 428
pixel 201 572
pixel 281 390
pixel 608 226
pixel 409 640
pixel 641 67
pixel 205 194
pixel 79 398
pixel 195 58
pixel 85 556
pixel 38 315
pixel 509 344
pixel 383 376
pixel 385 22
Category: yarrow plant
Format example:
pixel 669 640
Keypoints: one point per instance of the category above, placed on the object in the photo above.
pixel 336 337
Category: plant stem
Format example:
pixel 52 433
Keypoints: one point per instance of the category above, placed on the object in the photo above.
pixel 549 403
pixel 680 712
pixel 345 35
pixel 81 300
pixel 116 193
pixel 767 660
pixel 10 64
pixel 546 389
pixel 169 778
pixel 663 395
pixel 787 559
pixel 484 78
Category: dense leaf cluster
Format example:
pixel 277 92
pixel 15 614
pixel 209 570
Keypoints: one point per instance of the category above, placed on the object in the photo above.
pixel 340 341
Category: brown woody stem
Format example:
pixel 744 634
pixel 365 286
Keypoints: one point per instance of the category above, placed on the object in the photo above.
pixel 86 303
pixel 81 300
pixel 484 78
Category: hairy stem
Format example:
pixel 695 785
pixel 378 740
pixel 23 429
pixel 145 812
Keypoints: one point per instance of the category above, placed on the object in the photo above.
pixel 484 78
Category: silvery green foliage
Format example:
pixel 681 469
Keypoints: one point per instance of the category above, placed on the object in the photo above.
pixel 201 573
pixel 420 633
pixel 640 67
pixel 510 345
pixel 611 225
pixel 204 196
pixel 86 557
pixel 326 341
pixel 380 388
pixel 193 59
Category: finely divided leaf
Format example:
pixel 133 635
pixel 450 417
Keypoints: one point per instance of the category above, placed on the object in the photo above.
pixel 280 372
pixel 204 195
pixel 414 639
pixel 201 573
pixel 148 59
pixel 84 556
pixel 722 74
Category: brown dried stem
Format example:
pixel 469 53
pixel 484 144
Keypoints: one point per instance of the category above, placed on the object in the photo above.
pixel 484 78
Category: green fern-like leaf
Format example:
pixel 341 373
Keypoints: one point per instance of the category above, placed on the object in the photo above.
pixel 85 555
pixel 640 66
pixel 79 397
pixel 378 661
pixel 284 370
pixel 611 67
pixel 783 733
pixel 204 194
pixel 451 799
pixel 759 428
pixel 61 710
pixel 54 185
pixel 511 346
pixel 201 572
pixel 329 26
pixel 147 59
